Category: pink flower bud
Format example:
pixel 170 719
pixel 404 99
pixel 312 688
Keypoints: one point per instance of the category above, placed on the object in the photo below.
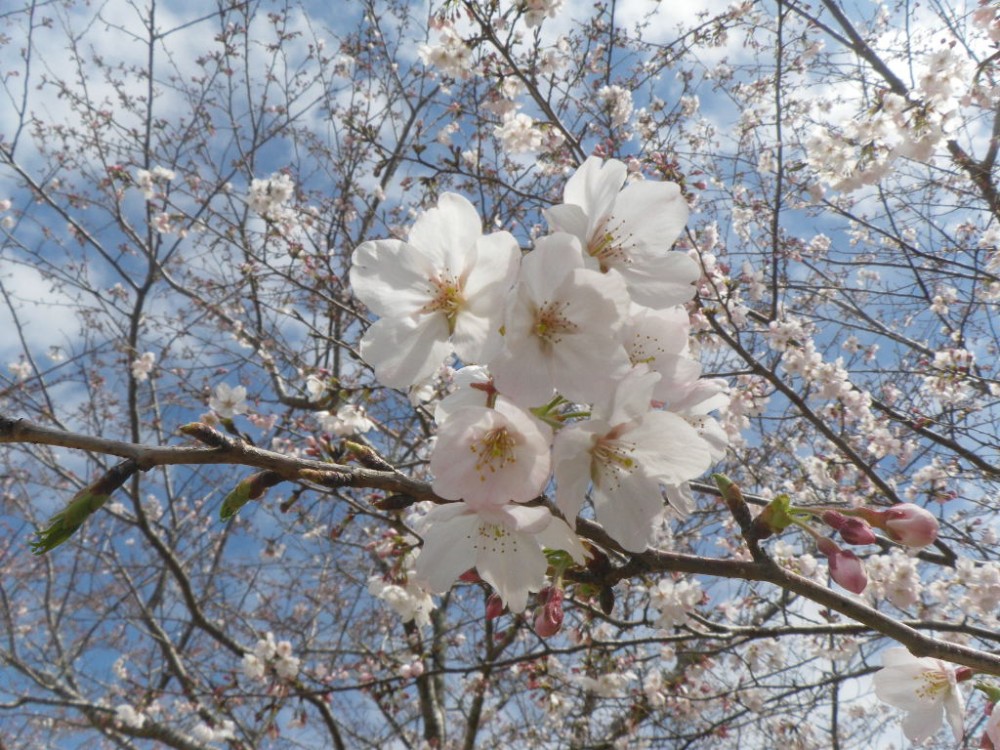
pixel 852 530
pixel 845 567
pixel 911 525
pixel 470 576
pixel 494 607
pixel 549 617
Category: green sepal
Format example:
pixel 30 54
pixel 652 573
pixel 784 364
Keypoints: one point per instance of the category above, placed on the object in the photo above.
pixel 992 691
pixel 777 515
pixel 558 559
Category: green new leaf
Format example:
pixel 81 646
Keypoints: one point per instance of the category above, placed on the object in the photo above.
pixel 85 503
pixel 777 516
pixel 65 523
pixel 251 488
pixel 236 499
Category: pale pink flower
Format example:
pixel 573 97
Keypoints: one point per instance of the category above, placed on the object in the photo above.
pixel 350 419
pixel 142 366
pixel 926 688
pixel 519 134
pixel 561 328
pixel 627 451
pixel 992 728
pixel 658 339
pixel 491 455
pixel 503 543
pixel 629 230
pixel 441 291
pixel 228 402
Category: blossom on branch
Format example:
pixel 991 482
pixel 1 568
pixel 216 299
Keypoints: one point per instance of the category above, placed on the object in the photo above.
pixel 627 451
pixel 491 455
pixel 629 230
pixel 441 291
pixel 926 688
pixel 502 542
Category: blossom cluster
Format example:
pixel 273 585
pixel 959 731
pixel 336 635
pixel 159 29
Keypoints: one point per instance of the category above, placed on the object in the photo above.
pixel 270 655
pixel 575 366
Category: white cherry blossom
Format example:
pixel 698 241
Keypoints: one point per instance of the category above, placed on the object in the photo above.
pixel 491 455
pixel 627 451
pixel 629 230
pixel 440 292
pixel 502 542
pixel 228 402
pixel 926 688
pixel 561 327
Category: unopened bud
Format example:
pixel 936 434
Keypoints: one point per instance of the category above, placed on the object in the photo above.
pixel 852 530
pixel 549 616
pixel 845 567
pixel 494 607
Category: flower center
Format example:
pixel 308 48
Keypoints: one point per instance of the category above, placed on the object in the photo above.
pixel 609 246
pixel 932 684
pixel 612 461
pixel 495 538
pixel 494 452
pixel 551 322
pixel 447 296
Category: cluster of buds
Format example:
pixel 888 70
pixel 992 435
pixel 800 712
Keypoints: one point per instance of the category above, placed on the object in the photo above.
pixel 905 523
pixel 548 614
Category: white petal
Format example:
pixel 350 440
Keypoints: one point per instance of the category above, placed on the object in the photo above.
pixel 391 277
pixel 558 535
pixel 512 563
pixel 568 218
pixel 662 281
pixel 524 519
pixel 654 213
pixel 571 461
pixel 669 449
pixel 404 353
pixel 448 549
pixel 629 510
pixel 448 234
pixel 595 186
pixel 954 711
pixel 919 725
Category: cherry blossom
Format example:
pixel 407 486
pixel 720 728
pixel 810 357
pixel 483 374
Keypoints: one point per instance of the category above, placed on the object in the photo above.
pixel 561 327
pixel 228 402
pixel 629 230
pixel 491 455
pixel 502 542
pixel 927 689
pixel 142 366
pixel 440 292
pixel 350 419
pixel 627 451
